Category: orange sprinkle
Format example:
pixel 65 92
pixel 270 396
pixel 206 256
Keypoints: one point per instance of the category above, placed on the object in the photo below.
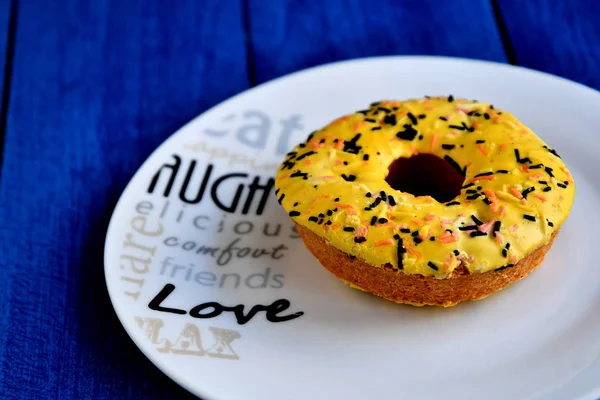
pixel 561 198
pixel 482 149
pixel 339 144
pixel 535 176
pixel 513 259
pixel 515 192
pixel 325 227
pixel 487 226
pixel 514 227
pixel 491 195
pixel 503 146
pixel 384 242
pixel 307 162
pixel 447 238
pixel 448 261
pixel 416 222
pixel 430 217
pixel 502 211
pixel 499 238
pixel 410 250
pixel 338 162
pixel 496 120
pixel 336 225
pixel 361 231
pixel 358 125
pixel 482 178
pixel 434 140
pixel 540 197
pixel 327 177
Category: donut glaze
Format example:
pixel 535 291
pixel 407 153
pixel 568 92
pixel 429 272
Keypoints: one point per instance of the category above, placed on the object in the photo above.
pixel 515 194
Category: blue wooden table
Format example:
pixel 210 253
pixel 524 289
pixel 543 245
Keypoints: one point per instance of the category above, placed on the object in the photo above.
pixel 90 88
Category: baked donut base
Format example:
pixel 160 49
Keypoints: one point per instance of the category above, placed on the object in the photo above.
pixel 418 290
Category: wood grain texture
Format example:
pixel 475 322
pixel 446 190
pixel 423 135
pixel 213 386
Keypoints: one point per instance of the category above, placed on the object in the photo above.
pixel 295 34
pixel 96 86
pixel 559 37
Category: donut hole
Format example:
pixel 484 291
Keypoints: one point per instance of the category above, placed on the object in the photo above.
pixel 425 175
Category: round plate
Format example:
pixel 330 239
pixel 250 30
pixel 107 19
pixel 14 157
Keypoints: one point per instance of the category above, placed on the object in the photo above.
pixel 211 281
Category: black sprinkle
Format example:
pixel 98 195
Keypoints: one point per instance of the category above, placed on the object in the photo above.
pixel 412 118
pixel 554 152
pixel 454 164
pixel 352 257
pixel 360 239
pixel 313 219
pixel 400 251
pixel 349 178
pixel 376 202
pixel 408 133
pixel 471 191
pixel 370 120
pixel 450 98
pixel 484 174
pixel 459 127
pixel 421 116
pixel 486 115
pixel 367 208
pixel 281 198
pixel 549 171
pixel 348 229
pixel 382 220
pixel 543 182
pixel 476 220
pixel 368 194
pixel 477 233
pixel 391 200
pixel 328 223
pixel 364 112
pixel 336 199
pixel 415 233
pixel 452 203
pixel 448 146
pixel 329 213
pixel 456 252
pixel 432 239
pixel 473 196
pixel 420 137
pixel 385 110
pixel 376 128
pixel 308 153
pixel 561 185
pixel 294 213
pixel 373 220
pixel 296 203
pixel 321 215
pixel 366 157
pixel 383 195
pixel 345 162
pixel 497 225
pixel 405 230
pixel 504 253
pixel 547 189
pixel 390 119
pixel 486 201
pixel 468 185
pixel 525 192
pixel 529 217
pixel 467 228
pixel 550 224
pixel 432 266
pixel 504 267
pixel 536 166
pixel 444 118
pixel 507 246
pixel 502 171
pixel 350 145
pixel 479 141
pixel 417 240
pixel 299 174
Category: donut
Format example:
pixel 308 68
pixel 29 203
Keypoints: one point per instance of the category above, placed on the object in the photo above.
pixel 427 201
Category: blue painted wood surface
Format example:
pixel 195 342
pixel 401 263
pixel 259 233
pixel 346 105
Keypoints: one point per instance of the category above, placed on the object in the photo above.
pixel 5 7
pixel 559 37
pixel 96 86
pixel 291 35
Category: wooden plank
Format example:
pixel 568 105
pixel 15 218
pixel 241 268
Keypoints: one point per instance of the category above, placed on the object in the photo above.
pixel 96 86
pixel 6 47
pixel 291 35
pixel 559 37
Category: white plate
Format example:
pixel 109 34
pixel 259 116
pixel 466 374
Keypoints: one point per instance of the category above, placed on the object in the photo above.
pixel 540 338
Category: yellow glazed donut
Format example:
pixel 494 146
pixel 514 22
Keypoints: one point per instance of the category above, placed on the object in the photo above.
pixel 426 201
